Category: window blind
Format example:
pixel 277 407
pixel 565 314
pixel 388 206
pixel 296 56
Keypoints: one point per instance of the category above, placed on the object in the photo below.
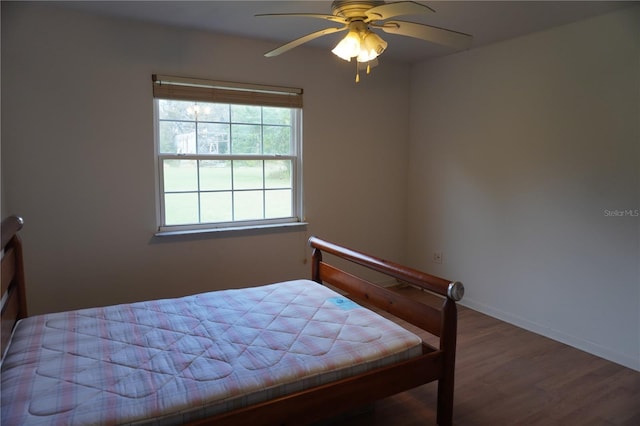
pixel 199 90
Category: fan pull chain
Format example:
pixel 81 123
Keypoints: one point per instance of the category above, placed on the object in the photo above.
pixel 358 70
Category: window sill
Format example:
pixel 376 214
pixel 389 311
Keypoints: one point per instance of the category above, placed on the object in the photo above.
pixel 244 230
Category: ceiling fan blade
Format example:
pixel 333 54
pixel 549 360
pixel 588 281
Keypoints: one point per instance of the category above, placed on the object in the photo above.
pixel 301 40
pixel 332 18
pixel 399 8
pixel 428 33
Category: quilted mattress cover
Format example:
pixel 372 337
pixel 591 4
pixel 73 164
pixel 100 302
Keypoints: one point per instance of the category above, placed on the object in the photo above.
pixel 172 361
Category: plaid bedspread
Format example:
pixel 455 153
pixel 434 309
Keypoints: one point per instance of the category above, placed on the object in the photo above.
pixel 175 360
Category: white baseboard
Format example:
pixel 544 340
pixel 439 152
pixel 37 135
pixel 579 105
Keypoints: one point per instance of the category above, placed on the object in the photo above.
pixel 625 360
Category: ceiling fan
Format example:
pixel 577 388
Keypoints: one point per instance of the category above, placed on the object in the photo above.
pixel 359 16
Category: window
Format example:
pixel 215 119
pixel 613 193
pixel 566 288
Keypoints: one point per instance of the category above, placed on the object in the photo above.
pixel 228 155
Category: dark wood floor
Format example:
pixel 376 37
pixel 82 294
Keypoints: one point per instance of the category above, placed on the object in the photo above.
pixel 508 376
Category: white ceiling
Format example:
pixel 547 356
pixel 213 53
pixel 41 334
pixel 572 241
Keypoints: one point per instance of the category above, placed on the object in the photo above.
pixel 487 21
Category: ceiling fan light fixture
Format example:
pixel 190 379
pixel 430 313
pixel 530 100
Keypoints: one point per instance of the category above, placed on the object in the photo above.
pixel 349 47
pixel 365 45
pixel 371 47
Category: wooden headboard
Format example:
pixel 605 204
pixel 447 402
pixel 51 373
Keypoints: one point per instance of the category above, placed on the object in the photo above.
pixel 14 306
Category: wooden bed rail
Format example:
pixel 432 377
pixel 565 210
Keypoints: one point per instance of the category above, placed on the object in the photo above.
pixel 452 290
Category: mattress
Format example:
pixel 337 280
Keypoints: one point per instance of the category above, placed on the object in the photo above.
pixel 172 361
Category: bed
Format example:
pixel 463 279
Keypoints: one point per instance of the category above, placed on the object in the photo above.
pixel 287 353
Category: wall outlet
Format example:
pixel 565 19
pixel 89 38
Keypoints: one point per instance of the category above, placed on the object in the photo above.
pixel 437 257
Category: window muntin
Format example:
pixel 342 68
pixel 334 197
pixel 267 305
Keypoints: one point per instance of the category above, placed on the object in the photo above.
pixel 226 165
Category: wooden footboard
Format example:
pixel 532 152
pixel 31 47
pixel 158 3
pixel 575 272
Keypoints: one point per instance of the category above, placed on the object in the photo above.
pixel 308 406
pixel 441 322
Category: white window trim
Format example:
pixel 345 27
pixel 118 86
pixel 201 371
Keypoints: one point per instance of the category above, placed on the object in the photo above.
pixel 297 218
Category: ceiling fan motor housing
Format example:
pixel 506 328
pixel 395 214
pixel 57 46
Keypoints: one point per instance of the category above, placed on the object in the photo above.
pixel 353 9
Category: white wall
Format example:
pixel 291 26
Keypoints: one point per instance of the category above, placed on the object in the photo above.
pixel 516 151
pixel 77 157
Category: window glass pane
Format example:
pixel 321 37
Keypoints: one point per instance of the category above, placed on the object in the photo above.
pixel 248 174
pixel 181 209
pixel 277 204
pixel 174 110
pixel 213 138
pixel 248 205
pixel 246 114
pixel 197 111
pixel 216 207
pixel 215 175
pixel 245 139
pixel 216 112
pixel 277 140
pixel 275 115
pixel 180 175
pixel 277 173
pixel 177 137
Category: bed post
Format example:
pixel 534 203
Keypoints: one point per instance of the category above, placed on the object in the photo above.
pixel 316 258
pixel 448 346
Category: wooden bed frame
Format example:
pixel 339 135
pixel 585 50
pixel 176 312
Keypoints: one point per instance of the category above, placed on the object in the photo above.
pixel 333 398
